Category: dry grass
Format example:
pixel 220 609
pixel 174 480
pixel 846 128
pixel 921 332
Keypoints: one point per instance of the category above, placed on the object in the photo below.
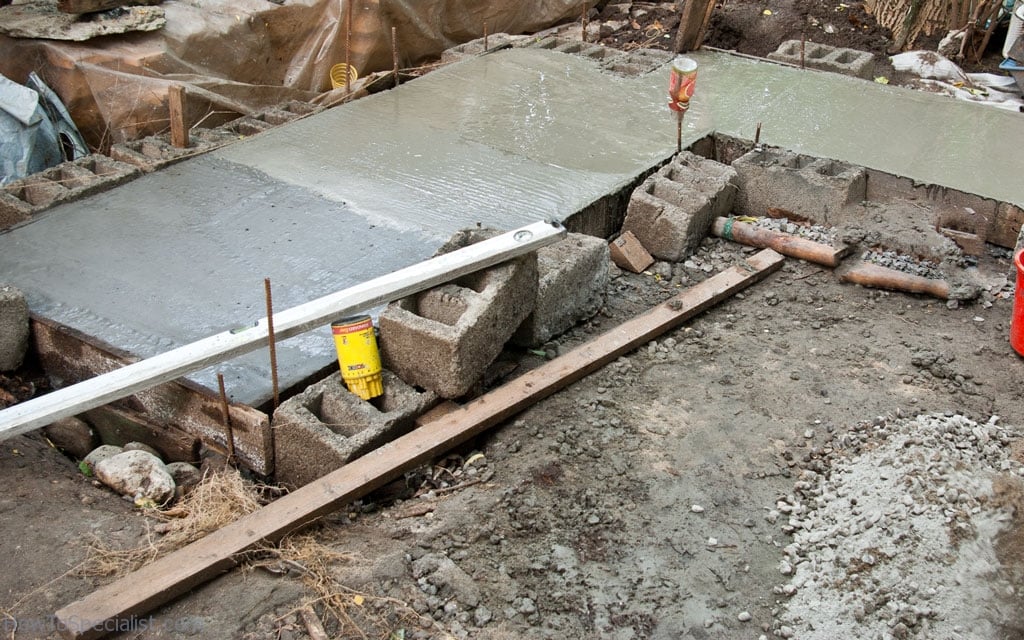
pixel 313 557
pixel 220 499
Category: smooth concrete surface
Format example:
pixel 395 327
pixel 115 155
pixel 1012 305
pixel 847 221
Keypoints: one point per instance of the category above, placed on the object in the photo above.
pixel 504 139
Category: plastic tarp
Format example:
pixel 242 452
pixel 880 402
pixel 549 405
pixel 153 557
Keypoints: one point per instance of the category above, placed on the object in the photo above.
pixel 238 57
pixel 36 131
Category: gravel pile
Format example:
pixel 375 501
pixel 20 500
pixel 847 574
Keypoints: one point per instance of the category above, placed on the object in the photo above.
pixel 816 233
pixel 894 538
pixel 907 264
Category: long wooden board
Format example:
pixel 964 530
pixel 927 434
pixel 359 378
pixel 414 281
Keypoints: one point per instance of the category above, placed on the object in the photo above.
pixel 144 374
pixel 182 570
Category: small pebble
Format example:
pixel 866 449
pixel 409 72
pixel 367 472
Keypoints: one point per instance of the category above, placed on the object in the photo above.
pixel 744 616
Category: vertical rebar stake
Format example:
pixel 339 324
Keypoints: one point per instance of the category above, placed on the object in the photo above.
pixel 757 135
pixel 271 340
pixel 226 418
pixel 583 33
pixel 485 35
pixel 348 50
pixel 679 131
pixel 803 45
pixel 394 52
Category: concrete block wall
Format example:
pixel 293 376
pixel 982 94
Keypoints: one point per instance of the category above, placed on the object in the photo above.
pixel 474 48
pixel 672 211
pixel 816 188
pixel 444 339
pixel 22 199
pixel 326 426
pixel 630 63
pixel 572 276
pixel 826 58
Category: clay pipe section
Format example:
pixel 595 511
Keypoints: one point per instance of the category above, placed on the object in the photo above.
pixel 784 243
pixel 879 277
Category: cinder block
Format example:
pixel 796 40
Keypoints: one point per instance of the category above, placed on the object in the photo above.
pixel 326 426
pixel 474 48
pixel 14 328
pixel 637 62
pixel 572 276
pixel 671 212
pixel 815 188
pixel 627 253
pixel 826 58
pixel 445 338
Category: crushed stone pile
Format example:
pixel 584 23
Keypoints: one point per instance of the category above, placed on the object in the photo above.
pixel 895 538
pixel 816 233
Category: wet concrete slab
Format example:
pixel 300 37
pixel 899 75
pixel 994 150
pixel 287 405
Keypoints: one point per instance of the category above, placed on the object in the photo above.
pixel 501 140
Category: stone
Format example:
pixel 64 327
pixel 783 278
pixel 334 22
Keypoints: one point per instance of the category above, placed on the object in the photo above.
pixel 572 276
pixel 73 436
pixel 185 476
pixel 100 454
pixel 14 328
pixel 137 474
pixel 628 253
pixel 141 446
pixel 326 426
pixel 445 338
pixel 451 581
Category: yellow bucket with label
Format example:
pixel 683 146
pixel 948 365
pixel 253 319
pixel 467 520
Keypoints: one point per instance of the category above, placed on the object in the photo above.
pixel 358 356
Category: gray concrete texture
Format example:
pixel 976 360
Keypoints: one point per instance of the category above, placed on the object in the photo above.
pixel 443 339
pixel 671 212
pixel 815 188
pixel 326 426
pixel 14 327
pixel 572 276
pixel 505 139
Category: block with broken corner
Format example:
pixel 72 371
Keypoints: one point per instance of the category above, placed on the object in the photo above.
pixel 443 339
pixel 671 212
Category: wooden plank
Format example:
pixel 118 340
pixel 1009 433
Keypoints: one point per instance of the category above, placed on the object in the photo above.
pixel 1006 225
pixel 148 373
pixel 179 122
pixel 182 570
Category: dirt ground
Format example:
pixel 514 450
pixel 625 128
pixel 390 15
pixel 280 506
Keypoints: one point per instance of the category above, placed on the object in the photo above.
pixel 760 471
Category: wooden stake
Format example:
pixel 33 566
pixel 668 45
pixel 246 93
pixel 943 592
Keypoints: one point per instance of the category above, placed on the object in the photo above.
pixel 348 47
pixel 176 110
pixel 225 413
pixel 180 571
pixel 271 340
pixel 314 627
pixel 394 52
pixel 757 135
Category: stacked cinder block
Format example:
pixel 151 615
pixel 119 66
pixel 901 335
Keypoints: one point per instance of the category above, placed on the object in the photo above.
pixel 815 188
pixel 444 339
pixel 474 48
pixel 572 278
pixel 326 426
pixel 672 210
pixel 826 58
pixel 21 199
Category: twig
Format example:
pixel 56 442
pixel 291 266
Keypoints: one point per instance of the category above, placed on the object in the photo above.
pixel 314 627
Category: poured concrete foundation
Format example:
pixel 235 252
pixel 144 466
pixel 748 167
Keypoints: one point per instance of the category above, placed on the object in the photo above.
pixel 505 139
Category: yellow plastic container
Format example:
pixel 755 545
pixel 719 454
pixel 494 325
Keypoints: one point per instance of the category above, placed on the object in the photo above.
pixel 358 356
pixel 338 75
